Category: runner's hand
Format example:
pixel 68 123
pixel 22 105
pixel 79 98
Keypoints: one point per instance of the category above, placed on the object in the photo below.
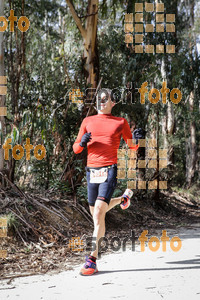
pixel 85 139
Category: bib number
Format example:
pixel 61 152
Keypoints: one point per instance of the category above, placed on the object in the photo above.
pixel 98 176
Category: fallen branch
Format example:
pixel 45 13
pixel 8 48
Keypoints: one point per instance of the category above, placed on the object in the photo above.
pixel 81 212
pixel 25 222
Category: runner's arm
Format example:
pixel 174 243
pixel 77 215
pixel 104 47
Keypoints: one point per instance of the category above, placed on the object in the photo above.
pixel 76 147
pixel 127 136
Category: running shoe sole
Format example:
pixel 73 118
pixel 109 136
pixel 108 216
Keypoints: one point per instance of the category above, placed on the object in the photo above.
pixel 95 271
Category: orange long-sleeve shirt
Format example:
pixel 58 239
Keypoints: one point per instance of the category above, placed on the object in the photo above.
pixel 106 131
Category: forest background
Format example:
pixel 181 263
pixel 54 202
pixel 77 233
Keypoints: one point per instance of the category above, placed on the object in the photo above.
pixel 73 45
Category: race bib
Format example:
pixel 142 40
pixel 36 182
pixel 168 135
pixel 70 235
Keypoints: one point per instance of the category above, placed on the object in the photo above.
pixel 98 176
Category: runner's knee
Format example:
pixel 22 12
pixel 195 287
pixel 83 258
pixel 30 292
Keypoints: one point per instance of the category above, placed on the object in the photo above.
pixel 98 215
pixel 92 210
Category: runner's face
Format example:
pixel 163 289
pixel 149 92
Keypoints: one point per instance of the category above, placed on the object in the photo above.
pixel 106 104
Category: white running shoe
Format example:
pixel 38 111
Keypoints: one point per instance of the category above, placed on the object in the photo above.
pixel 126 199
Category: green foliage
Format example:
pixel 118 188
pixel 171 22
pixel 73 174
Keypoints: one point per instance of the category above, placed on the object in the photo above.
pixel 82 193
pixel 12 221
pixel 61 186
pixel 54 66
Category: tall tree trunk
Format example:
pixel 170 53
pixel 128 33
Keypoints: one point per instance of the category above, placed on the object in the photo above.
pixel 157 177
pixel 17 65
pixel 2 98
pixel 192 155
pixel 168 122
pixel 89 35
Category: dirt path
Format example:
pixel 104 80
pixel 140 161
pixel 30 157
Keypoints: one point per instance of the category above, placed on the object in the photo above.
pixel 122 275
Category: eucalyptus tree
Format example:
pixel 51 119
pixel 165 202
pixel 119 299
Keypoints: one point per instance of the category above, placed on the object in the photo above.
pixel 2 97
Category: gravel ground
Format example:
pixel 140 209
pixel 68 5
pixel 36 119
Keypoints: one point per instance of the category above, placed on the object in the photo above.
pixel 122 275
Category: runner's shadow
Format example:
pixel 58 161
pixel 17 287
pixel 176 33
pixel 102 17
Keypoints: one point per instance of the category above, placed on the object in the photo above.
pixel 189 261
pixel 150 269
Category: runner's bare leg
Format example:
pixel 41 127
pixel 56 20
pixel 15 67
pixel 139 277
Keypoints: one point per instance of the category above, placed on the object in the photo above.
pixel 99 213
pixel 91 210
pixel 113 203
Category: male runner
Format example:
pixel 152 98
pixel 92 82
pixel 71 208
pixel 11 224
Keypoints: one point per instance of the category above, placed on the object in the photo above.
pixel 102 134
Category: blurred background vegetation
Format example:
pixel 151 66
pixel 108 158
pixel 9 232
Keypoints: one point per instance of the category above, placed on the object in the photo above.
pixel 51 58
